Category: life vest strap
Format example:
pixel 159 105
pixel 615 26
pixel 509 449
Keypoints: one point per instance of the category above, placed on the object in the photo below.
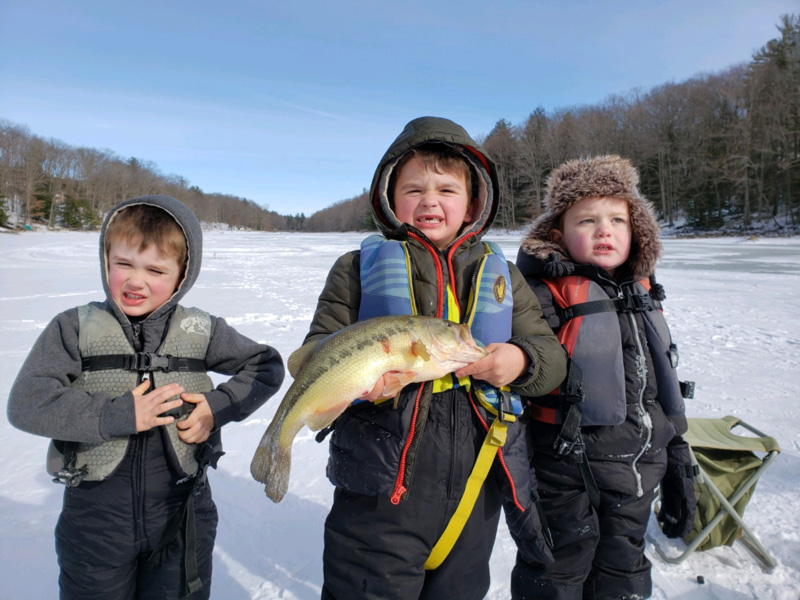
pixel 634 303
pixel 143 361
pixel 495 439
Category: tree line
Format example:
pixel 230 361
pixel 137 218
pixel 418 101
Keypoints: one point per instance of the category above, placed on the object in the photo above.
pixel 48 181
pixel 715 149
pixel 709 149
pixel 712 147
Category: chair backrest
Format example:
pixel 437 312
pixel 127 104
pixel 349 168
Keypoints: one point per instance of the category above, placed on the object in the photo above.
pixel 730 462
pixel 717 434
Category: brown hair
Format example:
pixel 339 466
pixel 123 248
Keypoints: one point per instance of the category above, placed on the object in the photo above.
pixel 440 158
pixel 146 224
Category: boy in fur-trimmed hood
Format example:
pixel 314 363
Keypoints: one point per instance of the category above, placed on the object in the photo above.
pixel 611 433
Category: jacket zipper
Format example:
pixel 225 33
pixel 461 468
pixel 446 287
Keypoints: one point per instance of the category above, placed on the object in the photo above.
pixel 139 452
pixel 399 486
pixel 453 438
pixel 644 416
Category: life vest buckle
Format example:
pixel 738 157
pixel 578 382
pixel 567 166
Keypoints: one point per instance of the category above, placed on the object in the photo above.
pixel 148 361
pixel 563 446
pixel 70 476
pixel 638 303
pixel 504 406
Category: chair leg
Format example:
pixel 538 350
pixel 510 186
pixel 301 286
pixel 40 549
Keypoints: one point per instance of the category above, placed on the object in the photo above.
pixel 751 541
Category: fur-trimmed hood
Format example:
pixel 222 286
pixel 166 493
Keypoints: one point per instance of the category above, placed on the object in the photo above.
pixel 600 176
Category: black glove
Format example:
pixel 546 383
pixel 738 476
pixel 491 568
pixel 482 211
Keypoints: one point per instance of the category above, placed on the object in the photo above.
pixel 678 502
pixel 532 538
pixel 555 267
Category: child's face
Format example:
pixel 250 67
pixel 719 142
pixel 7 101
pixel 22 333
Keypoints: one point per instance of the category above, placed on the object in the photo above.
pixel 140 280
pixel 437 204
pixel 597 231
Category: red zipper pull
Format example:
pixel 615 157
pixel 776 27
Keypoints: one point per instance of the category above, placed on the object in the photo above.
pixel 398 494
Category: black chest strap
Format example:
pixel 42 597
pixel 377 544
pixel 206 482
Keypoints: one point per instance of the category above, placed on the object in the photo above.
pixel 143 361
pixel 634 303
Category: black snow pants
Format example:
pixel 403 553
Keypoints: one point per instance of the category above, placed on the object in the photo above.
pixel 599 552
pixel 377 550
pixel 108 530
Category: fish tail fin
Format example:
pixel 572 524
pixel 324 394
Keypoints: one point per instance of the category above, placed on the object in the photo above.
pixel 271 464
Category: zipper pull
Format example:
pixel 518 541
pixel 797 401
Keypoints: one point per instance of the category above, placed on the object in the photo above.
pixel 398 494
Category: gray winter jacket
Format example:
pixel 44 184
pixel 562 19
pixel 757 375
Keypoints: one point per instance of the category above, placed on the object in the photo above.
pixel 43 402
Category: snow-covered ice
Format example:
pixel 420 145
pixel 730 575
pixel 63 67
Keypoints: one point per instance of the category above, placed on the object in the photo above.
pixel 734 309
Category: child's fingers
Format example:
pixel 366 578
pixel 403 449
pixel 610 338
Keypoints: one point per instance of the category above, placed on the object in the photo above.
pixel 160 394
pixel 193 398
pixel 196 434
pixel 142 388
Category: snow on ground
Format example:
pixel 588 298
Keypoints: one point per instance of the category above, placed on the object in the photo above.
pixel 733 306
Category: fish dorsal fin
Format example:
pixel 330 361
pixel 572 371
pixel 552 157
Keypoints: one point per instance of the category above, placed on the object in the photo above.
pixel 418 349
pixel 299 358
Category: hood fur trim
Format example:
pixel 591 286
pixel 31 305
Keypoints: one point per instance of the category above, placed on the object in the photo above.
pixel 601 176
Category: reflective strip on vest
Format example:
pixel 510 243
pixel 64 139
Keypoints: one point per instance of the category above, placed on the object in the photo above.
pixel 101 333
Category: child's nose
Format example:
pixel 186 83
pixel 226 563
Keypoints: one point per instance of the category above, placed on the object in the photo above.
pixel 429 199
pixel 604 230
pixel 136 279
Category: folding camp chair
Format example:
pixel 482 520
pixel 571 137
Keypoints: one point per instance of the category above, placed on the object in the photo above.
pixel 729 470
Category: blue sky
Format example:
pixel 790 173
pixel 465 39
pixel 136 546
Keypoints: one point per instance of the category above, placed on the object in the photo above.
pixel 291 104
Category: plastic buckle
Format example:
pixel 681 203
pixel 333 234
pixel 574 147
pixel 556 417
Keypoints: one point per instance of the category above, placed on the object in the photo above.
pixel 504 406
pixel 69 476
pixel 638 303
pixel 147 361
pixel 563 446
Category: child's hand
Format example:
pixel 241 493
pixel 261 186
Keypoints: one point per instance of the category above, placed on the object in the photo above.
pixel 503 364
pixel 196 428
pixel 147 406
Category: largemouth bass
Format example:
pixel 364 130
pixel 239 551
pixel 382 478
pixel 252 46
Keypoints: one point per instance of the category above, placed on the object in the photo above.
pixel 345 366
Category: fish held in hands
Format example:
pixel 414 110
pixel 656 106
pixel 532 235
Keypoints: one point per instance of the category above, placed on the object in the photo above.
pixel 345 366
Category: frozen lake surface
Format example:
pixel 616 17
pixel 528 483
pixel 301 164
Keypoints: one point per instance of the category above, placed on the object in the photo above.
pixel 734 309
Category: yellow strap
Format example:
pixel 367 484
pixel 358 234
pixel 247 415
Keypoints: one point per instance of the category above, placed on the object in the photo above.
pixel 495 439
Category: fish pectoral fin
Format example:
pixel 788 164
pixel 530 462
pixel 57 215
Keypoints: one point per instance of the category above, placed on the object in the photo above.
pixel 299 358
pixel 395 381
pixel 419 349
pixel 321 419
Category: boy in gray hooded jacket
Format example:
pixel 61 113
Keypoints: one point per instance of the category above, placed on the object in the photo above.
pixel 121 387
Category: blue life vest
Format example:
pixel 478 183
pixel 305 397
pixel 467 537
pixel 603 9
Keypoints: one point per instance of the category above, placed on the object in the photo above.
pixel 387 288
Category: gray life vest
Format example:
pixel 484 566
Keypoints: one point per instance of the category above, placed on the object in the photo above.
pixel 593 340
pixel 101 334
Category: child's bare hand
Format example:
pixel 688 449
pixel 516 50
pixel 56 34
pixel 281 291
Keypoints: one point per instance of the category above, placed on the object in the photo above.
pixel 196 428
pixel 147 406
pixel 503 364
